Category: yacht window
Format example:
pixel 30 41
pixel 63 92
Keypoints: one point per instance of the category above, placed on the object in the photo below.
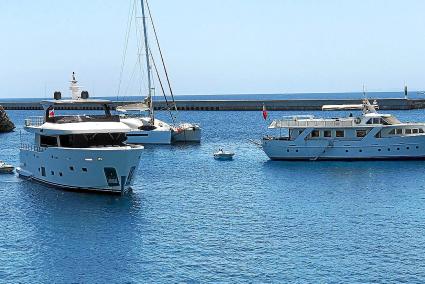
pixel 377 121
pixel 361 133
pixel 415 131
pixel 399 131
pixel 327 133
pixel 385 122
pixel 339 133
pixel 392 132
pixel 111 176
pixel 408 131
pixel 48 141
pixel 92 140
pixel 43 171
pixel 369 121
pixel 421 130
pixel 315 133
pixel 130 176
pixel 84 169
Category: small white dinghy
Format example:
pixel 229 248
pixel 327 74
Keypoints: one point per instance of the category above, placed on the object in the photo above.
pixel 223 155
pixel 6 168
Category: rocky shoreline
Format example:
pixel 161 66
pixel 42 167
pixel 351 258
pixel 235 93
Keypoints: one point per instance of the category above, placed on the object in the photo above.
pixel 6 125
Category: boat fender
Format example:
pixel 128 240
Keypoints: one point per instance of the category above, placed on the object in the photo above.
pixel 357 120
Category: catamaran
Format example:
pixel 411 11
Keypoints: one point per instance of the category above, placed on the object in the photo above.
pixel 370 136
pixel 148 129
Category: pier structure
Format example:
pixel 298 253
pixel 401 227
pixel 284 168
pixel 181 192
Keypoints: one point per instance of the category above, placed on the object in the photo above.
pixel 244 105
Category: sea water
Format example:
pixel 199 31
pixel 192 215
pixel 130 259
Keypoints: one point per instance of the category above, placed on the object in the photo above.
pixel 194 219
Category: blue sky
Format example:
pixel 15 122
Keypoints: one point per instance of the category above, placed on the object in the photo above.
pixel 218 47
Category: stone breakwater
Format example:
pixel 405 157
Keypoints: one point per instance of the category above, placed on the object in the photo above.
pixel 246 105
pixel 6 125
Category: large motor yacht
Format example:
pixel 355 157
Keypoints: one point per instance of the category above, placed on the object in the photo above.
pixel 80 152
pixel 371 135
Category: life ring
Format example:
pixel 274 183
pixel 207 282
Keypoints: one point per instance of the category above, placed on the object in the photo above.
pixel 357 120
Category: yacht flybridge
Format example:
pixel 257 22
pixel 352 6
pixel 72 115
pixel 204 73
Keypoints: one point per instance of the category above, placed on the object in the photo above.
pixel 371 135
pixel 80 152
pixel 146 129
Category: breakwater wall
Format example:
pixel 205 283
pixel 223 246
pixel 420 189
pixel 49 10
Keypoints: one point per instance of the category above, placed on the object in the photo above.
pixel 245 105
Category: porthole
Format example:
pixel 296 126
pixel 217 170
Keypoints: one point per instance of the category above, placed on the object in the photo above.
pixel 346 151
pixel 417 147
pixel 287 150
pixel 84 169
pixel 71 168
pixel 398 149
pixel 407 148
pixel 52 172
pixel 360 150
pixel 389 149
pixel 379 150
pixel 60 174
pixel 296 151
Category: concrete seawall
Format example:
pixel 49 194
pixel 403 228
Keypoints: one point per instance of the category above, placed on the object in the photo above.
pixel 248 105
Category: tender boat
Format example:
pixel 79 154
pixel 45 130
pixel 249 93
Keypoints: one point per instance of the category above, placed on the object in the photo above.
pixel 6 168
pixel 369 136
pixel 80 152
pixel 223 155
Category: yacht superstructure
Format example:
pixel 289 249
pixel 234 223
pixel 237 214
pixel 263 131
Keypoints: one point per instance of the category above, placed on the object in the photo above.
pixel 80 152
pixel 371 135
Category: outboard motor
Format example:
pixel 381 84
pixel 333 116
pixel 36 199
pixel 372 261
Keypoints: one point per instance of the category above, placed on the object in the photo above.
pixel 84 95
pixel 57 95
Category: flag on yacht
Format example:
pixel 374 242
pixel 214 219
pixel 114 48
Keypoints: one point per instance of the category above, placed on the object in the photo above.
pixel 52 113
pixel 264 112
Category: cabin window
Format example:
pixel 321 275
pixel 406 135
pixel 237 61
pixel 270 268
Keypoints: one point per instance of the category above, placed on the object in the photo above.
pixel 415 131
pixel 327 133
pixel 392 132
pixel 421 130
pixel 43 171
pixel 315 133
pixel 84 169
pixel 48 141
pixel 339 133
pixel 71 168
pixel 92 140
pixel 130 175
pixel 408 131
pixel 361 133
pixel 399 131
pixel 111 176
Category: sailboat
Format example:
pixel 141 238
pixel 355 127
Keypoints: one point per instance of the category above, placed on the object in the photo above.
pixel 148 129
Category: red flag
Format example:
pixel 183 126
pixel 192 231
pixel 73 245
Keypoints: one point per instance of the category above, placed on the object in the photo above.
pixel 264 112
pixel 52 113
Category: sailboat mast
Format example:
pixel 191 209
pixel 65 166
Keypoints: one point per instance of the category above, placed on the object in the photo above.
pixel 148 64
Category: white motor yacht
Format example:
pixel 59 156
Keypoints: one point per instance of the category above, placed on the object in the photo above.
pixel 371 136
pixel 79 152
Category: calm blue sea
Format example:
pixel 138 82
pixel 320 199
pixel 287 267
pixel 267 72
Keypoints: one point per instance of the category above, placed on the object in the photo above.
pixel 194 219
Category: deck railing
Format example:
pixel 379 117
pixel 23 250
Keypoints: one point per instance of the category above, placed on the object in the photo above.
pixel 34 121
pixel 294 123
pixel 30 147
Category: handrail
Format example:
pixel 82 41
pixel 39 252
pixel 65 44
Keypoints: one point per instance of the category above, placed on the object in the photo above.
pixel 311 123
pixel 31 147
pixel 34 121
